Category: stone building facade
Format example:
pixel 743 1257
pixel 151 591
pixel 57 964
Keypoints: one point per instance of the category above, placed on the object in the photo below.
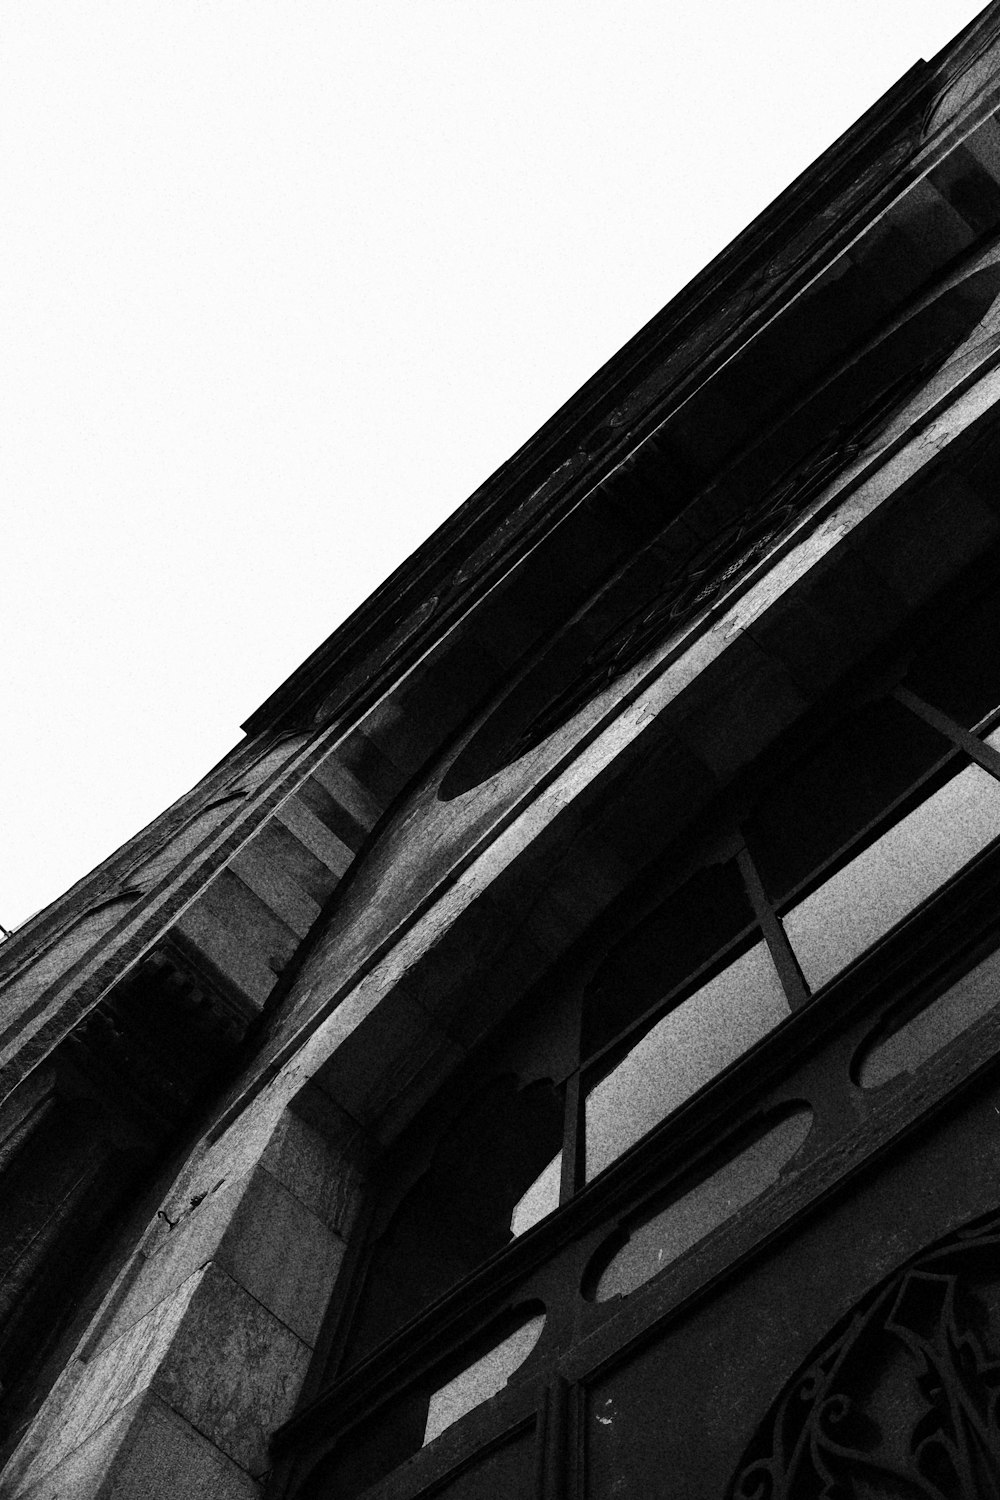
pixel 557 1053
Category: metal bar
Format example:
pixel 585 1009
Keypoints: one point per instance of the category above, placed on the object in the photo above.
pixel 792 979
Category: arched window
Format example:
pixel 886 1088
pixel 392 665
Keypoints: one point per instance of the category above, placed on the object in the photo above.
pixel 642 1116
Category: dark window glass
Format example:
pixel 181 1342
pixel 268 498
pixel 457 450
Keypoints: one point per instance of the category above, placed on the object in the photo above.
pixel 667 948
pixel 434 1402
pixel 829 797
pixel 459 1211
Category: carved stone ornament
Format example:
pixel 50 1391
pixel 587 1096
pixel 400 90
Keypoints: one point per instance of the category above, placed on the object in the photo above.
pixel 901 1401
pixel 718 565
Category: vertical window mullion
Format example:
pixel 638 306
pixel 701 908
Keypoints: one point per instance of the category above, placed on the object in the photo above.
pixel 551 1453
pixel 792 980
pixel 572 1139
pixel 984 755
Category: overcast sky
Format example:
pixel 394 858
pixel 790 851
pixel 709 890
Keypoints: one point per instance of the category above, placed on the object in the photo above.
pixel 283 281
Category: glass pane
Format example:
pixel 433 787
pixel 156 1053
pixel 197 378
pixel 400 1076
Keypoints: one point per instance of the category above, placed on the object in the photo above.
pixel 894 874
pixel 459 1211
pixel 665 949
pixel 653 1245
pixel 540 1199
pixel 975 995
pixel 825 800
pixel 481 1380
pixel 685 1049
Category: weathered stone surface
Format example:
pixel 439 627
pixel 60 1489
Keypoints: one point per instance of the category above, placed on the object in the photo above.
pixel 262 1235
pixel 280 1252
pixel 91 1394
pixel 184 842
pixel 349 792
pixel 236 1150
pixel 147 1452
pixel 286 898
pixel 83 1473
pixel 377 1061
pixel 166 1459
pixel 227 951
pixel 302 1155
pixel 177 1254
pixel 233 1370
pixel 315 835
pixel 42 972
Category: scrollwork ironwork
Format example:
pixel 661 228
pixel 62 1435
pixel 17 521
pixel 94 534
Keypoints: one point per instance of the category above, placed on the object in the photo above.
pixel 903 1400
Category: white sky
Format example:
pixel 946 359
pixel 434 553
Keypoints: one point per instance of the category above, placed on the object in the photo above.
pixel 281 282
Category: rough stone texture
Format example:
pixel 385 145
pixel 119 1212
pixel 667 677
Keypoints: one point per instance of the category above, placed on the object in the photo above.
pixel 205 1352
pixel 280 1252
pixel 234 1371
pixel 235 1151
pixel 83 1472
pixel 300 1155
pixel 209 1349
pixel 166 1459
pixel 28 986
pixel 216 1316
pixel 349 792
pixel 174 1255
pixel 227 952
pixel 151 871
pixel 147 1452
pixel 91 1394
pixel 315 835
pixel 255 1229
pixel 272 884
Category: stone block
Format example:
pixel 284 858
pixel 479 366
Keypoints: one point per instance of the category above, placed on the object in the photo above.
pixel 277 887
pixel 233 1370
pixel 94 1393
pixel 238 1149
pixel 226 951
pixel 347 789
pixel 278 1250
pixel 178 1254
pixel 276 847
pixel 81 1475
pixel 251 918
pixel 166 1458
pixel 379 1058
pixel 315 835
pixel 306 1155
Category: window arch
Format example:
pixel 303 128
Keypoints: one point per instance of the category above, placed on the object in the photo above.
pixel 645 1094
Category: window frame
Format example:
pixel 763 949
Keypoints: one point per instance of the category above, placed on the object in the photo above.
pixel 877 989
